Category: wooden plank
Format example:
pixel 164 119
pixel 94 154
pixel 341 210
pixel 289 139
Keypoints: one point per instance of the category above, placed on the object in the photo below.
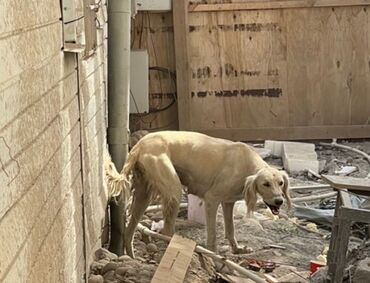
pixel 346 201
pixel 180 25
pixel 355 214
pixel 284 4
pixel 232 84
pixel 175 261
pixel 154 32
pixel 292 133
pixel 344 182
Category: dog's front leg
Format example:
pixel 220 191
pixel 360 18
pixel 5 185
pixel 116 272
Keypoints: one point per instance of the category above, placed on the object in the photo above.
pixel 211 211
pixel 229 229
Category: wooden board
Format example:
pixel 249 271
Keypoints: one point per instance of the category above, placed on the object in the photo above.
pixel 175 261
pixel 155 33
pixel 282 74
pixel 283 4
pixel 343 182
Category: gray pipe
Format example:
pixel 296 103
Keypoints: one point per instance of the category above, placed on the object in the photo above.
pixel 119 20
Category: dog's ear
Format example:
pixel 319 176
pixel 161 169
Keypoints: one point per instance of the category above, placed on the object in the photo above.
pixel 250 193
pixel 286 188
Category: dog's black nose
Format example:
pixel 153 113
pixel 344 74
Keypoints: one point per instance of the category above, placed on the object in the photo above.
pixel 279 201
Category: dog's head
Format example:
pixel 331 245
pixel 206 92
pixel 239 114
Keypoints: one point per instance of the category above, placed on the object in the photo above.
pixel 271 184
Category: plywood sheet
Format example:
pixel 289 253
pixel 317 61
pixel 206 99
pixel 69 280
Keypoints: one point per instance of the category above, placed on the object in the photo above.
pixel 175 261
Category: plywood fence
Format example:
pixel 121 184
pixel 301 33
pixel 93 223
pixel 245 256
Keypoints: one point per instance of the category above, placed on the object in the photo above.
pixel 250 70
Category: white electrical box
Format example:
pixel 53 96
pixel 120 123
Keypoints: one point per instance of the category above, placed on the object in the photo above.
pixel 154 5
pixel 139 81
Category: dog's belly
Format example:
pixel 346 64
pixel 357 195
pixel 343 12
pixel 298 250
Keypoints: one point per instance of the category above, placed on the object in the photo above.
pixel 200 187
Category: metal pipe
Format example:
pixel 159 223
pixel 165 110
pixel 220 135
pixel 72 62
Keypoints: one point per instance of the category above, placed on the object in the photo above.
pixel 119 20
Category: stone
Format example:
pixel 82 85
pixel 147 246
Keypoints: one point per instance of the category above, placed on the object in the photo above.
pixel 109 275
pixel 147 223
pixel 96 279
pixel 124 258
pixel 104 254
pixel 96 267
pixel 122 270
pixel 109 266
pixel 362 272
pixel 151 248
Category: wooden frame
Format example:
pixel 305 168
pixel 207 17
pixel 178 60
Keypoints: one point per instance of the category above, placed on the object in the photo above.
pixel 283 4
pixel 344 215
pixel 180 25
pixel 294 133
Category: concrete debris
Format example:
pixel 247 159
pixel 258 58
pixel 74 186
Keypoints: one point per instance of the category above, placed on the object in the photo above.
pixel 299 157
pixel 196 210
pixel 157 226
pixel 276 147
pixel 346 170
pixel 263 152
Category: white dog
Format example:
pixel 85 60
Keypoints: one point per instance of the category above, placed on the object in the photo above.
pixel 217 170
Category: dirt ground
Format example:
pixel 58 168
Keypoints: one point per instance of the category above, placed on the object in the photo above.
pixel 299 246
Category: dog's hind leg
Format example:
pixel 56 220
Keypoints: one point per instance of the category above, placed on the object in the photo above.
pixel 164 180
pixel 141 200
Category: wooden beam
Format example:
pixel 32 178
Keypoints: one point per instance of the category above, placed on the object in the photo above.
pixel 180 25
pixel 355 214
pixel 283 4
pixel 344 182
pixel 290 133
pixel 175 261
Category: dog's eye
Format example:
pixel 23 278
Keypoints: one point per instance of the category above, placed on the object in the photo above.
pixel 266 184
pixel 281 183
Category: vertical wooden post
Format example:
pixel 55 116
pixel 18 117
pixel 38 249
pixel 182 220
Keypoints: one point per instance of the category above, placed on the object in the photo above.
pixel 180 25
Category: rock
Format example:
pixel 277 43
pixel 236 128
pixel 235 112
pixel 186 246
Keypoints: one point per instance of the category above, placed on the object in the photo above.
pixel 122 270
pixel 104 254
pixel 151 248
pixel 125 258
pixel 109 275
pixel 140 246
pixel 96 279
pixel 362 272
pixel 109 266
pixel 147 223
pixel 96 267
pixel 131 272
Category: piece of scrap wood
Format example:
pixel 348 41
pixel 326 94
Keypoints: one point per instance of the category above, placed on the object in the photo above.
pixel 175 261
pixel 350 183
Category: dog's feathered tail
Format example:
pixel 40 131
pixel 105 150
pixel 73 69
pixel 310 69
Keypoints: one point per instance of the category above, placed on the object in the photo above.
pixel 119 184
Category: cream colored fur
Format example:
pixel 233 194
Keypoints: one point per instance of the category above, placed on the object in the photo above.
pixel 217 170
